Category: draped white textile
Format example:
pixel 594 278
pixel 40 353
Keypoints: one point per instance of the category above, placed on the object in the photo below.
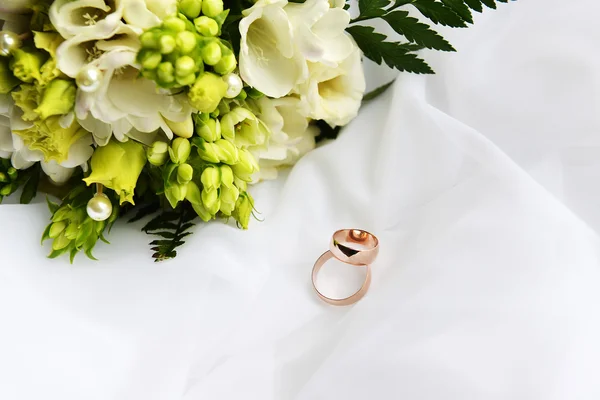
pixel 482 185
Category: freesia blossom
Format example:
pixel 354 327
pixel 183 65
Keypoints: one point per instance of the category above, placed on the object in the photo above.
pixel 291 135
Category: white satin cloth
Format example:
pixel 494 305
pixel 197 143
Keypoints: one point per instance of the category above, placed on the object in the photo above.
pixel 482 183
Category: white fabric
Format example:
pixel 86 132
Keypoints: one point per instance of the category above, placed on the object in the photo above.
pixel 482 185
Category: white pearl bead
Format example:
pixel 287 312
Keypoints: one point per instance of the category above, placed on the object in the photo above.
pixel 99 208
pixel 89 78
pixel 9 41
pixel 234 85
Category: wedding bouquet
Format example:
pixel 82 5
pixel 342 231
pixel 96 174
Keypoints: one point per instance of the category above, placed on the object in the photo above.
pixel 171 109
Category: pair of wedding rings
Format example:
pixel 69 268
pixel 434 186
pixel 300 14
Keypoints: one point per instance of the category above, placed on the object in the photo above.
pixel 351 246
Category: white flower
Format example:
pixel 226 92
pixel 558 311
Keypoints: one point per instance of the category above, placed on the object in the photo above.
pixel 22 157
pixel 269 60
pixel 124 105
pixel 320 31
pixel 291 134
pixel 335 94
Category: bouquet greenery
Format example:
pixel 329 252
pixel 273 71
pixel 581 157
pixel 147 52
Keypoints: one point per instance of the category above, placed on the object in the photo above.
pixel 171 109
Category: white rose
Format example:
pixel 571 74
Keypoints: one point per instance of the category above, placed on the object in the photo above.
pixel 269 60
pixel 335 94
pixel 320 31
pixel 291 134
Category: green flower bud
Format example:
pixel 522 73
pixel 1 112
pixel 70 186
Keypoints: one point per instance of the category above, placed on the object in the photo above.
pixel 3 177
pixel 58 99
pixel 209 130
pixel 186 41
pixel 211 53
pixel 180 150
pixel 185 66
pixel 56 229
pixel 118 166
pixel 7 80
pixel 207 92
pixel 190 8
pixel 206 26
pixel 149 40
pixel 227 151
pixel 243 209
pixel 210 200
pixel 186 80
pixel 240 184
pixel 6 190
pixel 175 24
pixel 151 59
pixel 185 173
pixel 158 153
pixel 150 74
pixel 61 214
pixel 211 178
pixel 195 198
pixel 209 152
pixel 226 176
pixel 165 73
pixel 212 8
pixel 71 231
pixel 60 243
pixel 227 64
pixel 167 44
pixel 12 173
pixel 246 165
pixel 184 129
pixel 228 198
pixel 176 193
pixel 26 64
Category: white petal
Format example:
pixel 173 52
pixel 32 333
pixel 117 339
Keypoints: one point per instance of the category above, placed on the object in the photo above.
pixel 6 142
pixel 19 162
pixel 56 172
pixel 79 152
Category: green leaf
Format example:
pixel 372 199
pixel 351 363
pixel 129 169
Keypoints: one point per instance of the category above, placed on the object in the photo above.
pixel 474 5
pixel 459 7
pixel 489 3
pixel 52 206
pixel 417 32
pixel 396 55
pixel 439 13
pixel 31 185
pixel 377 92
pixel 372 8
pixel 172 226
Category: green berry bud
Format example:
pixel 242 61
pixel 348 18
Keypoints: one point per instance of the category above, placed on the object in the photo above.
pixel 151 60
pixel 206 26
pixel 3 177
pixel 190 8
pixel 185 66
pixel 212 8
pixel 149 40
pixel 158 153
pixel 186 41
pixel 185 173
pixel 180 150
pixel 240 184
pixel 227 151
pixel 167 44
pixel 176 193
pixel 210 200
pixel 186 80
pixel 71 231
pixel 226 65
pixel 209 130
pixel 209 152
pixel 226 176
pixel 56 229
pixel 61 214
pixel 211 178
pixel 150 74
pixel 207 92
pixel 184 129
pixel 165 73
pixel 211 53
pixel 174 24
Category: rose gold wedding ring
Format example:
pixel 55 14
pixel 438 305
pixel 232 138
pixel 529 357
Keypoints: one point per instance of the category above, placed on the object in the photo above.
pixel 351 246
